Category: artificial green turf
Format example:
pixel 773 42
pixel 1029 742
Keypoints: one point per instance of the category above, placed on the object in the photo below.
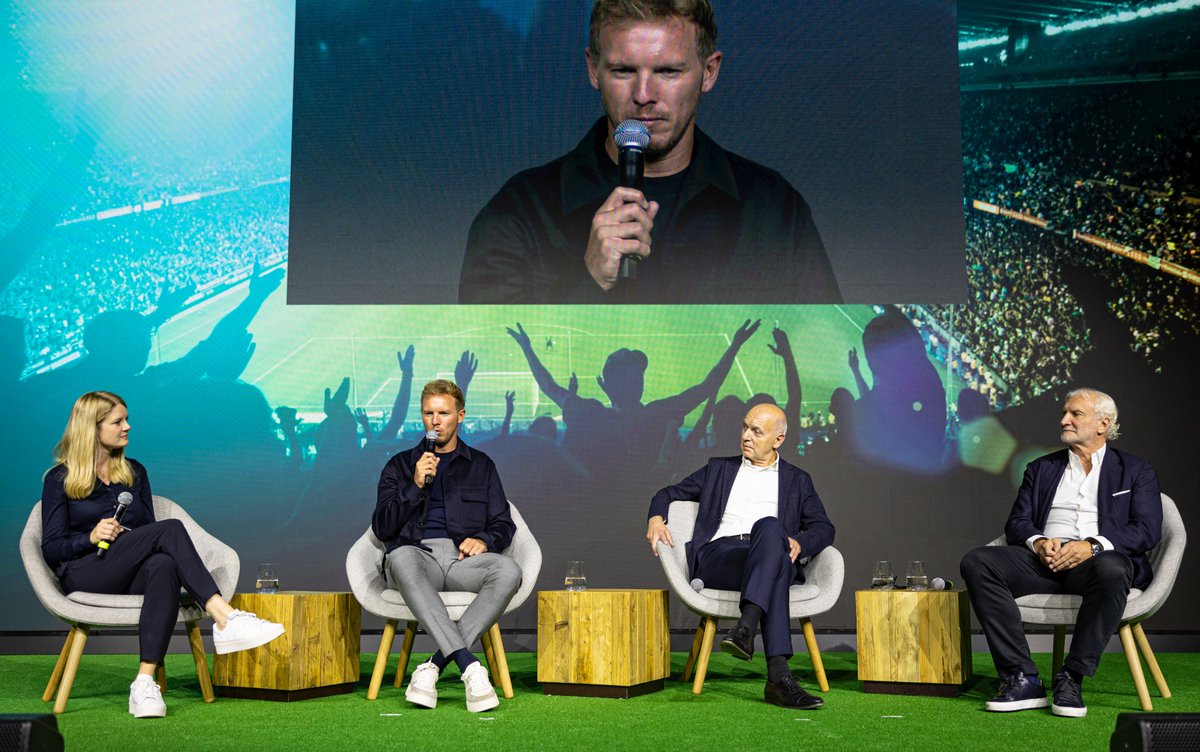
pixel 729 714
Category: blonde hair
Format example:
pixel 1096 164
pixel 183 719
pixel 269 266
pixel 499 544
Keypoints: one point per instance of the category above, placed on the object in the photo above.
pixel 76 451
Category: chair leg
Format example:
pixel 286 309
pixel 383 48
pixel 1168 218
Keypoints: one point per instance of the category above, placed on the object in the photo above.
pixel 814 653
pixel 497 643
pixel 489 656
pixel 1143 644
pixel 71 666
pixel 381 659
pixel 410 634
pixel 160 676
pixel 1060 645
pixel 691 660
pixel 710 630
pixel 56 674
pixel 1135 667
pixel 196 643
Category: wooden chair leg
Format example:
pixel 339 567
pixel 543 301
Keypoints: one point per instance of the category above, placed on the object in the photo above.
pixel 56 674
pixel 71 666
pixel 706 643
pixel 160 676
pixel 691 660
pixel 410 634
pixel 814 653
pixel 381 658
pixel 489 655
pixel 1135 667
pixel 196 643
pixel 1143 644
pixel 497 642
pixel 1060 644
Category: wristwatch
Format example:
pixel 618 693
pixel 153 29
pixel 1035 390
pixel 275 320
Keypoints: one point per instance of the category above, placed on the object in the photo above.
pixel 1096 547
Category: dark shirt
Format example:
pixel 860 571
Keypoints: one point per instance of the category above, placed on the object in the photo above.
pixel 435 518
pixel 475 504
pixel 739 233
pixel 67 524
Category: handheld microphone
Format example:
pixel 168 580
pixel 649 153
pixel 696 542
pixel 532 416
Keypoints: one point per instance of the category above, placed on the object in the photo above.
pixel 430 446
pixel 631 137
pixel 941 584
pixel 123 501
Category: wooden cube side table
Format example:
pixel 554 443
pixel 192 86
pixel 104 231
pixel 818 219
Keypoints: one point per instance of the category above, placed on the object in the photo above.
pixel 317 656
pixel 602 642
pixel 913 642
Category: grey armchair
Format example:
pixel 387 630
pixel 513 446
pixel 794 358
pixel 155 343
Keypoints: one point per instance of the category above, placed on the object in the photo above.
pixel 1060 611
pixel 83 611
pixel 364 568
pixel 824 574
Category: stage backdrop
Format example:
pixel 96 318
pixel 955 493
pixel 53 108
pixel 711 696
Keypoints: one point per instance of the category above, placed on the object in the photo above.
pixel 144 215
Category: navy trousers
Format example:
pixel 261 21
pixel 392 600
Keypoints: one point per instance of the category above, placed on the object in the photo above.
pixel 996 575
pixel 762 569
pixel 153 560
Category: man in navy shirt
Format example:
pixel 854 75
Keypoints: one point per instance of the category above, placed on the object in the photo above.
pixel 445 520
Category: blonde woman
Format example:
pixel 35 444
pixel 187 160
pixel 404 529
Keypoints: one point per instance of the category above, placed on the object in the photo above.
pixel 144 556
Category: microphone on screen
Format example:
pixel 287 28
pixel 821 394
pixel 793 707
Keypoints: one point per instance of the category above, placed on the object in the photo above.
pixel 430 446
pixel 123 501
pixel 941 584
pixel 631 137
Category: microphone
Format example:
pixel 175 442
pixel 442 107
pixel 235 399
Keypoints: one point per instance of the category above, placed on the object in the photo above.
pixel 430 446
pixel 941 584
pixel 124 499
pixel 697 584
pixel 631 137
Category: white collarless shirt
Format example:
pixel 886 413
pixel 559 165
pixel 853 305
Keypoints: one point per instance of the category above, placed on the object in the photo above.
pixel 755 494
pixel 1075 511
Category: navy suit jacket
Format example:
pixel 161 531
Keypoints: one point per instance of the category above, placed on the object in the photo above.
pixel 800 510
pixel 1128 501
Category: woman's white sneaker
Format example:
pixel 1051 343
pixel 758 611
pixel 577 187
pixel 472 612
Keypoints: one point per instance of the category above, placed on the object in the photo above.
pixel 145 699
pixel 243 631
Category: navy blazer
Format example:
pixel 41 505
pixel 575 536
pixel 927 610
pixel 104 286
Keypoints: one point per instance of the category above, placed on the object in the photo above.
pixel 1128 502
pixel 800 510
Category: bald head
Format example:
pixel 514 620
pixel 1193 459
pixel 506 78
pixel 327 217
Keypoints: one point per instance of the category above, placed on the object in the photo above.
pixel 763 430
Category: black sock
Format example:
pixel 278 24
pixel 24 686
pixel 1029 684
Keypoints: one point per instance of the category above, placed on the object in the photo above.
pixel 463 658
pixel 440 661
pixel 777 668
pixel 751 616
pixel 1075 675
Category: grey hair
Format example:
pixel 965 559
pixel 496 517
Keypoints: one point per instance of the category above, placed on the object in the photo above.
pixel 1104 406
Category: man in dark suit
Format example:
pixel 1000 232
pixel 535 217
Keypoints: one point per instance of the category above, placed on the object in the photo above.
pixel 758 516
pixel 1084 519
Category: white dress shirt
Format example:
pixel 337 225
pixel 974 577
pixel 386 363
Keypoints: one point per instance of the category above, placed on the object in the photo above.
pixel 755 494
pixel 1075 511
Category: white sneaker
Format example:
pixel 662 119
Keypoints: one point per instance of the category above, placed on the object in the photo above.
pixel 480 694
pixel 422 686
pixel 243 630
pixel 145 699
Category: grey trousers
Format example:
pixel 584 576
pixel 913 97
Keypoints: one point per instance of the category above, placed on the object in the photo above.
pixel 421 575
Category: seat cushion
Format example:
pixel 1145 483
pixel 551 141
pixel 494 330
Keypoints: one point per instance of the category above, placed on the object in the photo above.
pixel 454 598
pixel 1059 601
pixel 108 600
pixel 796 594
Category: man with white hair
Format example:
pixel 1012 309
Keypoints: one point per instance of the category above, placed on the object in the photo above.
pixel 1084 519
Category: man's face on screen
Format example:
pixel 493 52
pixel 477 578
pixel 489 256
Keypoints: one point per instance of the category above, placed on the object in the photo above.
pixel 652 71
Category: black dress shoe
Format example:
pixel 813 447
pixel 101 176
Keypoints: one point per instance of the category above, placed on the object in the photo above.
pixel 739 643
pixel 789 694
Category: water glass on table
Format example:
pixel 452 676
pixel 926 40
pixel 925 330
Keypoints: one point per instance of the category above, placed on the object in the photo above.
pixel 575 579
pixel 882 579
pixel 268 579
pixel 917 579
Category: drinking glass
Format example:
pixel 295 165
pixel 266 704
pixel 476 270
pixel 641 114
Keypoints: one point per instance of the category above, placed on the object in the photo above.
pixel 883 578
pixel 917 580
pixel 575 579
pixel 268 579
